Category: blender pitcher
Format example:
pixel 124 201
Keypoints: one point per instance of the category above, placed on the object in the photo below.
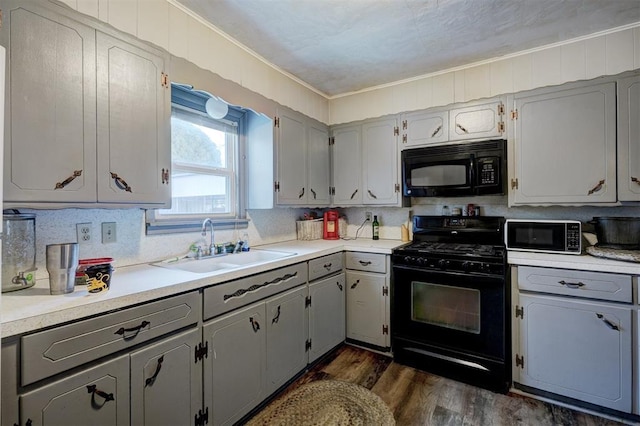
pixel 18 250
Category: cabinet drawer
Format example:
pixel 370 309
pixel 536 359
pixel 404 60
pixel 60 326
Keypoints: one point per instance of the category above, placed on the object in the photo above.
pixel 591 285
pixel 50 352
pixel 372 262
pixel 235 294
pixel 325 265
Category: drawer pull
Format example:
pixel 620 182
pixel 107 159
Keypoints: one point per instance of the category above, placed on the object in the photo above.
pixel 92 389
pixel 365 262
pixel 136 330
pixel 254 324
pixel 339 285
pixel 254 287
pixel 151 380
pixel 277 317
pixel 571 285
pixel 354 285
pixel 327 266
pixel 609 323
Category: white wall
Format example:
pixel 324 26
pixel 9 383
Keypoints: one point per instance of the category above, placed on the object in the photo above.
pixel 585 58
pixel 180 32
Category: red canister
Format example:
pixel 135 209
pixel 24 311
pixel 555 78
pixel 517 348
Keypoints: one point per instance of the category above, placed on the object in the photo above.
pixel 330 231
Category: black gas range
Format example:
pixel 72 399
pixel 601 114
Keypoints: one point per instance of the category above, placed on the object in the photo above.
pixel 450 300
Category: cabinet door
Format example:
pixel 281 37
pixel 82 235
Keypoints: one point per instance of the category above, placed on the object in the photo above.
pixel 95 396
pixel 629 139
pixel 166 383
pixel 347 166
pixel 292 155
pixel 133 116
pixel 287 334
pixel 234 371
pixel 367 308
pixel 50 129
pixel 577 349
pixel 318 165
pixel 326 315
pixel 565 145
pixel 424 128
pixel 478 121
pixel 379 162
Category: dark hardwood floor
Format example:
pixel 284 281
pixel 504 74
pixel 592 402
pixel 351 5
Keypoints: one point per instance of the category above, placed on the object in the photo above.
pixel 419 398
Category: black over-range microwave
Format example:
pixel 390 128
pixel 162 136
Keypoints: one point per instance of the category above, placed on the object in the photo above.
pixel 474 168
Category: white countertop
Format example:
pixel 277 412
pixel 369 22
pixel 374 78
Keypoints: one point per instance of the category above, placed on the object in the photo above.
pixel 571 261
pixel 34 308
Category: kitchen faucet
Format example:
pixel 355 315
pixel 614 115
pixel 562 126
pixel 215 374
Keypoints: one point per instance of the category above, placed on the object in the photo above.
pixel 212 249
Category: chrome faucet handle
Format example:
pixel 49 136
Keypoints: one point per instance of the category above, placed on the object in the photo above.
pixel 199 253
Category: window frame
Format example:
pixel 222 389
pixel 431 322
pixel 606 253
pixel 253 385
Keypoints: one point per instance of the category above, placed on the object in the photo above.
pixel 185 98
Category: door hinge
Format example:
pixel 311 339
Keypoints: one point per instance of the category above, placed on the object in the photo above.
pixel 520 361
pixel 404 124
pixel 164 80
pixel 0 18
pixel 276 186
pixel 500 108
pixel 164 175
pixel 397 187
pixel 385 291
pixel 307 345
pixel 307 301
pixel 202 418
pixel 332 141
pixel 396 131
pixel 332 190
pixel 514 114
pixel 404 138
pixel 501 127
pixel 201 351
pixel 385 329
pixel 276 122
pixel 514 183
pixel 520 311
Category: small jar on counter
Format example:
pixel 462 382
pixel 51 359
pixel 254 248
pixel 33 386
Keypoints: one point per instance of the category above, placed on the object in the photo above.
pixel 456 211
pixel 446 211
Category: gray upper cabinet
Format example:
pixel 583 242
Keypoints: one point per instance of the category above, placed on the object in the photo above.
pixel 303 160
pixel 381 184
pixel 483 119
pixel 347 167
pixel 629 139
pixel 134 148
pixel 564 145
pixel 87 112
pixel 50 128
pixel 424 128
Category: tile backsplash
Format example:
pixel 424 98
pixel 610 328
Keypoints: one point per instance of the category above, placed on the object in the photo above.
pixel 133 246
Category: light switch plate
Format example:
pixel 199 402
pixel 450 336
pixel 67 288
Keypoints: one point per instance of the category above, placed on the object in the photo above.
pixel 108 232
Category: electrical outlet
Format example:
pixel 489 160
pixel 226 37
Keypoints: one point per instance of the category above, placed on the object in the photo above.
pixel 108 232
pixel 83 232
pixel 367 216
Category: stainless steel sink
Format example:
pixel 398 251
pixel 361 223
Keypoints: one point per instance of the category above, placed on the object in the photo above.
pixel 222 263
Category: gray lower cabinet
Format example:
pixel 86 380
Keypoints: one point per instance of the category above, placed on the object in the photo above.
pixel 326 315
pixel 252 352
pixel 95 396
pixel 166 383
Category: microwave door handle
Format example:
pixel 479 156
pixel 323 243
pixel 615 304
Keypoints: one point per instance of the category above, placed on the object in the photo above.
pixel 472 174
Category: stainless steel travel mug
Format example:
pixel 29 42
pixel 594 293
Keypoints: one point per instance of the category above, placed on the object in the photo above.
pixel 62 262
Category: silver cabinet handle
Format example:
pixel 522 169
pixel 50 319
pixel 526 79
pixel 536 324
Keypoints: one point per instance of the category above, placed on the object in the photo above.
pixel 572 285
pixel 609 323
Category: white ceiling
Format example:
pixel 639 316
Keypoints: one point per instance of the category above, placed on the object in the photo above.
pixel 340 46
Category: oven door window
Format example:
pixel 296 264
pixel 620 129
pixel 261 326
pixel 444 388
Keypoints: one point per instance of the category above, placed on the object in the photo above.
pixel 457 308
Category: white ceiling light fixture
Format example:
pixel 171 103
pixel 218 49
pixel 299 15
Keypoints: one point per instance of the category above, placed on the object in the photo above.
pixel 216 108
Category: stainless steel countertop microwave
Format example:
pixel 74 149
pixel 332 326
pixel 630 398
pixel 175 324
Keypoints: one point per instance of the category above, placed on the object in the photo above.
pixel 544 236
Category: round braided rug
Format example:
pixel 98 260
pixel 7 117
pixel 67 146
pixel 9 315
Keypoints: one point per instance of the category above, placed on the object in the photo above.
pixel 326 402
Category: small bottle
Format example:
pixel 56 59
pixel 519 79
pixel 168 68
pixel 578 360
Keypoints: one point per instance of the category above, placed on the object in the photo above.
pixel 446 211
pixel 245 242
pixel 375 228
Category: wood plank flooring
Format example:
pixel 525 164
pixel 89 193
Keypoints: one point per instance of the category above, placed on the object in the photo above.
pixel 419 398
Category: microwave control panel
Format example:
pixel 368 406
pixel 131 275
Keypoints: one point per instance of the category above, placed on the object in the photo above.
pixel 488 170
pixel 573 237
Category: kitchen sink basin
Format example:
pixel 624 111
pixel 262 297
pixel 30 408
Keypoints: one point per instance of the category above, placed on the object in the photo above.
pixel 223 262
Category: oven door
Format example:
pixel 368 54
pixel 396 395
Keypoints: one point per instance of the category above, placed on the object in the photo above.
pixel 457 312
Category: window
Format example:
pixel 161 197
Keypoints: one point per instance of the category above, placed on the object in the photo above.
pixel 205 172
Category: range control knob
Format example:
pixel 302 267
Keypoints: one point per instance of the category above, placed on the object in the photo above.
pixel 467 266
pixel 408 260
pixel 443 263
